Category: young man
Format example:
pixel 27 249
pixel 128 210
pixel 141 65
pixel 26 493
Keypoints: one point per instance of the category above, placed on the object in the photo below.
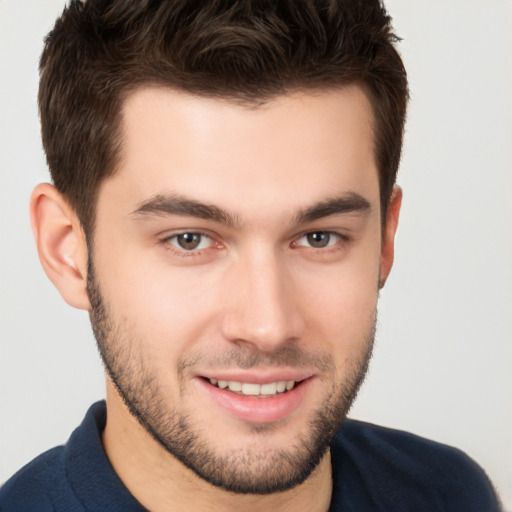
pixel 223 205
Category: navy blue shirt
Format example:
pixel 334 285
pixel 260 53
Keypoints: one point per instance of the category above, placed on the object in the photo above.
pixel 374 469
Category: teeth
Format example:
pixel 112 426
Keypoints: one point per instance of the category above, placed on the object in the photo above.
pixel 281 386
pixel 250 389
pixel 234 386
pixel 269 389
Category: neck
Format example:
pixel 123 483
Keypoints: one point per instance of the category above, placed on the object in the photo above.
pixel 160 482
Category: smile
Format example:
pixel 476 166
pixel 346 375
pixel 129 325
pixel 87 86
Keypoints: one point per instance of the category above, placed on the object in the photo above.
pixel 251 389
pixel 258 399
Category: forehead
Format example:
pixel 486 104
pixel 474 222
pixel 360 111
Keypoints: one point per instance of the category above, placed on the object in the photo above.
pixel 297 148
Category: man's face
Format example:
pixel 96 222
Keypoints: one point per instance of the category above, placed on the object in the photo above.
pixel 240 247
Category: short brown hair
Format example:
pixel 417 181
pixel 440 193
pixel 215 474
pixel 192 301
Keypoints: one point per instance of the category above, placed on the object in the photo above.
pixel 246 50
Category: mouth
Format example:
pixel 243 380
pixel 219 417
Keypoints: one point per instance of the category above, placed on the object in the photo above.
pixel 268 401
pixel 266 390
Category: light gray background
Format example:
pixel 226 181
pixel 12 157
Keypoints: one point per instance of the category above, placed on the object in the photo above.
pixel 443 363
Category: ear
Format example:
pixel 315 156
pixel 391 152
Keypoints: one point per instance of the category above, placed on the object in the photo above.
pixel 388 241
pixel 61 244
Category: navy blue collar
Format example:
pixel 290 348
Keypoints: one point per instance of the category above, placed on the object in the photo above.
pixel 90 474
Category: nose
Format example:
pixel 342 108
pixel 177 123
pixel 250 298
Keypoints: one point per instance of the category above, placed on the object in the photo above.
pixel 263 309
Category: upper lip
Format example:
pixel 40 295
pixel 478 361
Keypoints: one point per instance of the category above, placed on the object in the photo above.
pixel 261 376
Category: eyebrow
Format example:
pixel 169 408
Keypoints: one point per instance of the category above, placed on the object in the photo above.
pixel 350 202
pixel 161 205
pixel 174 204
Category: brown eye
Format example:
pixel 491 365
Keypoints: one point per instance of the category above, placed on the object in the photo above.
pixel 190 241
pixel 318 239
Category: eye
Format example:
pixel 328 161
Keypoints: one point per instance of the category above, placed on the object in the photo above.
pixel 319 239
pixel 190 241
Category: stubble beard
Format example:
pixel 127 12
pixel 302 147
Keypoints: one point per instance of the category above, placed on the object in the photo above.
pixel 249 470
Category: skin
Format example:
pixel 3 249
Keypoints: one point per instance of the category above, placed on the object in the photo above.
pixel 255 287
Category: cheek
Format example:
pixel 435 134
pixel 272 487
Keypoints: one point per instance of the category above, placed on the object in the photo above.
pixel 167 309
pixel 340 305
pixel 344 312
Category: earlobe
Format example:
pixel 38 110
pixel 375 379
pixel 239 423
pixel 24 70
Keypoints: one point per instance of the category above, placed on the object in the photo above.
pixel 60 243
pixel 388 241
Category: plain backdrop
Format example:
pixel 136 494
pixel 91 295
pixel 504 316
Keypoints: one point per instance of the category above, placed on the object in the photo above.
pixel 443 360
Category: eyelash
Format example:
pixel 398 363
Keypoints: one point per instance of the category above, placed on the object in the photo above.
pixel 341 239
pixel 330 234
pixel 182 252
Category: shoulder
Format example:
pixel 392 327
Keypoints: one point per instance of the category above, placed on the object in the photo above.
pixel 75 477
pixel 38 486
pixel 408 472
pixel 48 483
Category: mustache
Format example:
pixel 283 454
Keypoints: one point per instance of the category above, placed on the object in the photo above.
pixel 244 357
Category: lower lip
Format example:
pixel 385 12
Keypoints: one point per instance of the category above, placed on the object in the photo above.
pixel 254 409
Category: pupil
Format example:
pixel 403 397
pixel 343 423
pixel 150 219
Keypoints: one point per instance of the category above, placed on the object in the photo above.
pixel 318 239
pixel 189 240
